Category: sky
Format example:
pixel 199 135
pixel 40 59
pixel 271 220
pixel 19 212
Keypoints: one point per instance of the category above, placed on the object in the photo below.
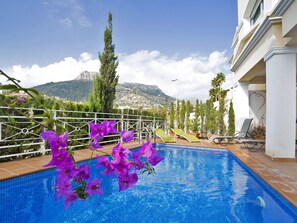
pixel 156 41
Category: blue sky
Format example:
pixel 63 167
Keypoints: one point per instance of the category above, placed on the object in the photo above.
pixel 45 32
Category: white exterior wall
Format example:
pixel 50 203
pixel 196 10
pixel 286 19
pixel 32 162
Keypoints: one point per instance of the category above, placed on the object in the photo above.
pixel 241 103
pixel 241 6
pixel 258 107
pixel 281 105
pixel 269 5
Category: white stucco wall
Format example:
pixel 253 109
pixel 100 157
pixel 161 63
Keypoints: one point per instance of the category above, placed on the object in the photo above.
pixel 257 110
pixel 281 105
pixel 257 104
pixel 240 103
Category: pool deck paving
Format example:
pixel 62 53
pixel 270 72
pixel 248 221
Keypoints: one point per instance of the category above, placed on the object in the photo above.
pixel 280 175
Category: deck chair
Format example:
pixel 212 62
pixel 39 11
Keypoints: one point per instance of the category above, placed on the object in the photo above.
pixel 252 144
pixel 242 134
pixel 163 136
pixel 182 134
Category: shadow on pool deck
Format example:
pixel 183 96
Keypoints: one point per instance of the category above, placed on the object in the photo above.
pixel 282 176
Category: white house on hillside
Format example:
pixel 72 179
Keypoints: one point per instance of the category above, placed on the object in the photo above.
pixel 264 61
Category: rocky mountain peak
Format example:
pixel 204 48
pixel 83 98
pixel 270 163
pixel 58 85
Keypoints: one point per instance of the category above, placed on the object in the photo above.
pixel 86 75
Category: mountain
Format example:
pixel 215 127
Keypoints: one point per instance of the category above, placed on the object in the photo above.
pixel 128 95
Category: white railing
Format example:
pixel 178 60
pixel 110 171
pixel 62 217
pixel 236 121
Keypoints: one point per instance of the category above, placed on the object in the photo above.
pixel 20 135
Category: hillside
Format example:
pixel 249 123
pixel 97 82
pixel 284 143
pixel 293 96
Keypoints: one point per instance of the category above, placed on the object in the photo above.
pixel 132 95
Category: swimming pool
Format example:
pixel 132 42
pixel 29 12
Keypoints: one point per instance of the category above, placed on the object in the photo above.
pixel 190 185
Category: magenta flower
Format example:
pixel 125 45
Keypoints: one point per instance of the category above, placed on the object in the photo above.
pixel 69 197
pixel 122 167
pixel 98 131
pixel 127 180
pixel 63 186
pixel 93 187
pixel 121 164
pixel 104 161
pixel 127 136
pixel 54 140
pixel 67 168
pixel 94 144
pixel 120 160
pixel 146 149
pixel 109 127
pixel 136 162
pixel 83 173
pixel 119 153
pixel 154 159
pixel 58 158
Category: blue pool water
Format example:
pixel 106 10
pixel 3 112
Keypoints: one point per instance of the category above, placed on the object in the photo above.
pixel 190 185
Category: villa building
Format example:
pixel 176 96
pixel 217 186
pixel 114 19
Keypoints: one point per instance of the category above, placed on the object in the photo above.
pixel 264 63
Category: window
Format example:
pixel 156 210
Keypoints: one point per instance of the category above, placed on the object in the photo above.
pixel 256 13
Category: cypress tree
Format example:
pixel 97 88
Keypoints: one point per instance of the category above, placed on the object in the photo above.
pixel 210 117
pixel 178 114
pixel 171 121
pixel 231 120
pixel 221 113
pixel 196 119
pixel 202 118
pixel 102 95
pixel 182 114
pixel 188 112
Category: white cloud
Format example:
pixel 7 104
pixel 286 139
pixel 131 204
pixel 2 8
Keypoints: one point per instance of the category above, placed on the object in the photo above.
pixel 194 73
pixel 67 69
pixel 72 9
pixel 67 23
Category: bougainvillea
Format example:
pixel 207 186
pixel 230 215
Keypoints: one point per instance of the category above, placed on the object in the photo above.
pixel 74 182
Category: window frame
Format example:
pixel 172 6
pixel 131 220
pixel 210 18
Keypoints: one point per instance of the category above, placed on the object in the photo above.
pixel 257 12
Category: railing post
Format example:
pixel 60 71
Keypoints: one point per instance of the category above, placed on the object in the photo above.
pixel 42 147
pixel 55 118
pixel 95 118
pixel 139 129
pixel 0 131
pixel 122 121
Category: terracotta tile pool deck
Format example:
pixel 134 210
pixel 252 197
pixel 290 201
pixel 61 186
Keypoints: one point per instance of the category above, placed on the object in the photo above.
pixel 280 175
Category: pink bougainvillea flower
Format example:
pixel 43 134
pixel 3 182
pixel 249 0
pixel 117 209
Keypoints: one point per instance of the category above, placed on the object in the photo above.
pixel 127 136
pixel 67 168
pixel 94 144
pixel 127 180
pixel 97 131
pixel 146 149
pixel 122 167
pixel 110 127
pixel 69 197
pixel 63 186
pixel 55 141
pixel 58 158
pixel 154 159
pixel 119 153
pixel 136 162
pixel 93 187
pixel 83 173
pixel 104 161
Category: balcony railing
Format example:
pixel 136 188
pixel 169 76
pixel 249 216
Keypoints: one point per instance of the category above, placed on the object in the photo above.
pixel 20 135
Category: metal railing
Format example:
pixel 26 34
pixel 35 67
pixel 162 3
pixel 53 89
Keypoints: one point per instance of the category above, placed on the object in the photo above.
pixel 20 135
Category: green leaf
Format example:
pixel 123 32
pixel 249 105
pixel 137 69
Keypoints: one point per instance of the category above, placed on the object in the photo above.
pixel 8 87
